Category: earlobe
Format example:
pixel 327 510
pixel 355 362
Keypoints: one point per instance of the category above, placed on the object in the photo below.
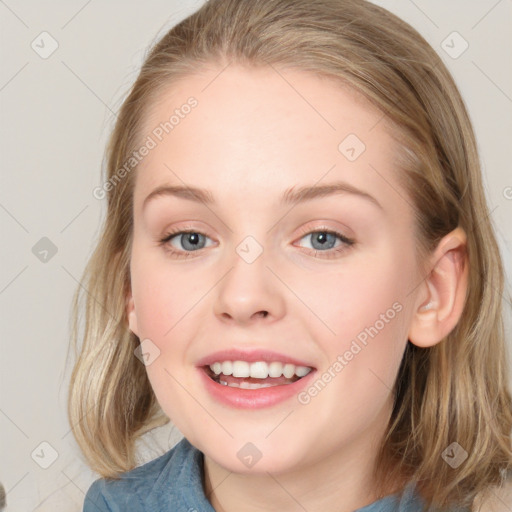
pixel 131 315
pixel 445 291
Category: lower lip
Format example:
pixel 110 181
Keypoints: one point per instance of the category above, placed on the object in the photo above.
pixel 253 398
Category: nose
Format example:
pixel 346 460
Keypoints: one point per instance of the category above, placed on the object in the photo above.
pixel 249 291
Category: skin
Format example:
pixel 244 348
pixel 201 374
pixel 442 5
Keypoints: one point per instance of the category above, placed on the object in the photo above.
pixel 252 136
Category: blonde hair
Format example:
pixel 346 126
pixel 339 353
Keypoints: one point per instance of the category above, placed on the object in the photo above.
pixel 455 391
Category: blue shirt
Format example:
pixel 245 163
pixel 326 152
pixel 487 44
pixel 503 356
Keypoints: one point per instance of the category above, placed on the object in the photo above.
pixel 173 483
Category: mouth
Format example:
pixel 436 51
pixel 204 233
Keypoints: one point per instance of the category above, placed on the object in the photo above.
pixel 255 375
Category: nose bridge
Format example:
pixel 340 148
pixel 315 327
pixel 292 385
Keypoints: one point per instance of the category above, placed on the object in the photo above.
pixel 249 288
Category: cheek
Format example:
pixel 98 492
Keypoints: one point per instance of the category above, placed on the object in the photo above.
pixel 165 300
pixel 359 295
pixel 364 311
pixel 164 297
pixel 168 303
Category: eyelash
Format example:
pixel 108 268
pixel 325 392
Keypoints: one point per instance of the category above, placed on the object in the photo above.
pixel 331 253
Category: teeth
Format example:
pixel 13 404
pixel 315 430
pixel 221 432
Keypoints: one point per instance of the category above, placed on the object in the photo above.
pixel 245 385
pixel 227 367
pixel 302 371
pixel 241 369
pixel 250 385
pixel 275 369
pixel 289 370
pixel 258 370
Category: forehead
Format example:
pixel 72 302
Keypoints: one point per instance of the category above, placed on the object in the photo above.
pixel 263 129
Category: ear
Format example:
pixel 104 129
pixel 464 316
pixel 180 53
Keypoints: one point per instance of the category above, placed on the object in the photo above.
pixel 131 314
pixel 442 296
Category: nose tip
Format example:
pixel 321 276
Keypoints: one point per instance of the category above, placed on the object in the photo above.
pixel 248 292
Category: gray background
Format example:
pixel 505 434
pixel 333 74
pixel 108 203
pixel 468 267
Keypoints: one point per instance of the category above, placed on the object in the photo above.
pixel 56 113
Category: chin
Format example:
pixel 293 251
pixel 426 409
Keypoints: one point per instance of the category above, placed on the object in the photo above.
pixel 257 457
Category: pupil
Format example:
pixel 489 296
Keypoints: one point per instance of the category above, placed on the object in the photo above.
pixel 322 239
pixel 191 241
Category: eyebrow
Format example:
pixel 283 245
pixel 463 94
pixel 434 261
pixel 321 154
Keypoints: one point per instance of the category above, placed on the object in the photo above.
pixel 290 196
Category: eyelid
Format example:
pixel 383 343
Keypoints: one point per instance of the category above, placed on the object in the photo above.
pixel 308 229
pixel 172 232
pixel 187 228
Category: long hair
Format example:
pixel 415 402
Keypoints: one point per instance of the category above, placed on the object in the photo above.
pixel 455 391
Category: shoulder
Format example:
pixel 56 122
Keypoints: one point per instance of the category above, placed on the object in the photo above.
pixel 132 489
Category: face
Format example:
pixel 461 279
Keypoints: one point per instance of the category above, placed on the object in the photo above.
pixel 256 272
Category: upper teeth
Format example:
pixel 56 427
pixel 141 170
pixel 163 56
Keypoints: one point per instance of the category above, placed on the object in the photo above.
pixel 259 369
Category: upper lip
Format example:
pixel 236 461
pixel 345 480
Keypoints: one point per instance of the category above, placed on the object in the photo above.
pixel 250 356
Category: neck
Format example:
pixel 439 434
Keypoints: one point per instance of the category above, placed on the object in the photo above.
pixel 340 482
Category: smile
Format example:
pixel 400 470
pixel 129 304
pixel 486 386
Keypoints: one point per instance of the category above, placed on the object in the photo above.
pixel 253 385
pixel 255 375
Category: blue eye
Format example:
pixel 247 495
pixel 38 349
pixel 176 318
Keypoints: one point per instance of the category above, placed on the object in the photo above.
pixel 323 241
pixel 182 244
pixel 190 241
